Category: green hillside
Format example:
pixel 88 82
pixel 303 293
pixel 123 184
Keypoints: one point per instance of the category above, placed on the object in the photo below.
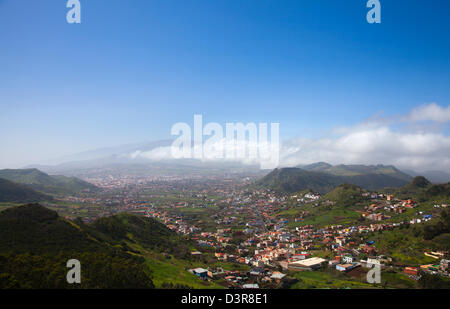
pixel 345 203
pixel 45 183
pixel 317 167
pixel 11 192
pixel 123 251
pixel 35 229
pixel 342 205
pixel 357 170
pixel 148 233
pixel 345 194
pixel 291 180
pixel 436 192
pixel 408 244
pixel 422 190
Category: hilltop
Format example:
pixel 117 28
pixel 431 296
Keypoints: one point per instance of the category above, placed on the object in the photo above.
pixel 291 180
pixel 45 183
pixel 345 194
pixel 421 189
pixel 434 176
pixel 322 177
pixel 357 170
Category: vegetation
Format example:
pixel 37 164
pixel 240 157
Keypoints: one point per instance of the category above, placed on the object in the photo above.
pixel 99 270
pixel 42 182
pixel 345 194
pixel 328 278
pixel 149 233
pixel 17 193
pixel 428 281
pixel 291 180
pixel 123 251
pixel 408 244
pixel 436 229
pixel 355 170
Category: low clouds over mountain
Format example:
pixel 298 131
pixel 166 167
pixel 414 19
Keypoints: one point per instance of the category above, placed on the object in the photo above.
pixel 416 140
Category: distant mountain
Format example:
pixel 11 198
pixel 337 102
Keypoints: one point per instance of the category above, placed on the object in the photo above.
pixel 420 182
pixel 423 189
pixel 357 170
pixel 316 167
pixel 115 252
pixel 140 159
pixel 43 182
pixel 140 167
pixel 290 180
pixel 108 157
pixel 116 152
pixel 18 193
pixel 433 176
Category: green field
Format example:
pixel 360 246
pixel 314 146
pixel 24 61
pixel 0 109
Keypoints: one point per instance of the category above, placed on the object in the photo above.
pixel 327 279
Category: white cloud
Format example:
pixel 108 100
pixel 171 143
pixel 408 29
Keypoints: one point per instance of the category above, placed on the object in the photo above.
pixel 245 152
pixel 381 145
pixel 375 141
pixel 429 112
pixel 156 154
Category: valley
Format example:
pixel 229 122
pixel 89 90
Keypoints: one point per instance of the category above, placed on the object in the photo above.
pixel 233 230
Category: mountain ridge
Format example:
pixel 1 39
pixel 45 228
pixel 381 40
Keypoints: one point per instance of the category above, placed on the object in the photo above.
pixel 323 177
pixel 45 183
pixel 12 192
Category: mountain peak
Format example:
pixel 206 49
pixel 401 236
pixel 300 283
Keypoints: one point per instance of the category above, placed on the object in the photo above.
pixel 34 212
pixel 420 181
pixel 318 166
pixel 344 193
pixel 43 182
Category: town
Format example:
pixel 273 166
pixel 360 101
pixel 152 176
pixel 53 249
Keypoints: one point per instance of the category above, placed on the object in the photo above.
pixel 254 238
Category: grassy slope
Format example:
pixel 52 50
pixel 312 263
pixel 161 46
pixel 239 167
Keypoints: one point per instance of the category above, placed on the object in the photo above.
pixel 123 242
pixel 347 199
pixel 45 183
pixel 290 180
pixel 11 192
pixel 326 279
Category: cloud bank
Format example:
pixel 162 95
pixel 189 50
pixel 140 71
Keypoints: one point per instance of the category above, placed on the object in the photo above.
pixel 429 112
pixel 390 140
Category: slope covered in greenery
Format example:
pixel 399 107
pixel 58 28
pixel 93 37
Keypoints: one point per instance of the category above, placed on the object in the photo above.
pixel 290 180
pixel 342 205
pixel 422 190
pixel 148 233
pixel 18 193
pixel 345 194
pixel 407 244
pixel 45 183
pixel 357 170
pixel 122 251
pixel 436 192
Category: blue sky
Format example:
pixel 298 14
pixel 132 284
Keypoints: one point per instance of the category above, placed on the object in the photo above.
pixel 132 69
